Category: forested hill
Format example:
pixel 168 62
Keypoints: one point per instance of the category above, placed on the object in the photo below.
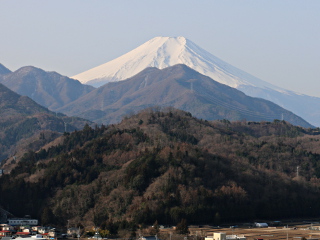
pixel 165 166
pixel 24 124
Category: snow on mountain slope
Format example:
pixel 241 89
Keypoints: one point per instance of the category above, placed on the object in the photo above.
pixel 162 52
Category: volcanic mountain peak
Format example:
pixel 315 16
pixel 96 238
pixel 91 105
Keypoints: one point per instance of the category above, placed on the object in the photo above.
pixel 162 52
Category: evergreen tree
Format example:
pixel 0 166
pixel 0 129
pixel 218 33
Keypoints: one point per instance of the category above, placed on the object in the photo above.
pixel 182 227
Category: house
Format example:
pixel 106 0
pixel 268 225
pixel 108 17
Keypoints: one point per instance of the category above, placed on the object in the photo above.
pixel 73 231
pixel 236 237
pixel 5 233
pixel 35 228
pixel 260 225
pixel 223 236
pixel 6 227
pixel 6 230
pixel 22 221
pixel 97 236
pixel 52 233
pixel 45 235
pixel 217 236
pixel 26 230
pixel 43 230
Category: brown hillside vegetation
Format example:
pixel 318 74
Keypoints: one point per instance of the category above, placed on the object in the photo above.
pixel 24 124
pixel 167 165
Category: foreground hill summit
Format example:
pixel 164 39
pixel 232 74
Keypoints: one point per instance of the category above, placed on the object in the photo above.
pixel 162 52
pixel 166 166
pixel 180 87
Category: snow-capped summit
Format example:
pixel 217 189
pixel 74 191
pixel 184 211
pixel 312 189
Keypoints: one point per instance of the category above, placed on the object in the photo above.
pixel 162 52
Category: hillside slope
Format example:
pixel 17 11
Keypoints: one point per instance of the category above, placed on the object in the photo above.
pixel 163 52
pixel 24 124
pixel 4 70
pixel 48 89
pixel 180 87
pixel 167 165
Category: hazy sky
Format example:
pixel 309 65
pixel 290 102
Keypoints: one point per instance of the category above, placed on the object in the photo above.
pixel 275 40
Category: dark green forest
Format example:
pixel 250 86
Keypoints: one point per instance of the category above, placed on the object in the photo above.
pixel 167 166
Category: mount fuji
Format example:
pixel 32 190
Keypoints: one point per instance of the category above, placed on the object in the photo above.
pixel 162 52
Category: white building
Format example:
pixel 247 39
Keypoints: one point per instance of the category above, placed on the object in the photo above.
pixel 223 236
pixel 236 237
pixel 43 230
pixel 260 225
pixel 217 236
pixel 6 227
pixel 73 231
pixel 22 221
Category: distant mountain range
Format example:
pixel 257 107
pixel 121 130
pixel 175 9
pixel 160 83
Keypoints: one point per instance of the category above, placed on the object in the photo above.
pixel 24 124
pixel 179 87
pixel 49 89
pixel 162 52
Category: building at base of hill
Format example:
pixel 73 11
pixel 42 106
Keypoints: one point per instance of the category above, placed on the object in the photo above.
pixel 223 236
pixel 22 221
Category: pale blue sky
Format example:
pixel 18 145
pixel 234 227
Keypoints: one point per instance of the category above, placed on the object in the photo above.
pixel 275 40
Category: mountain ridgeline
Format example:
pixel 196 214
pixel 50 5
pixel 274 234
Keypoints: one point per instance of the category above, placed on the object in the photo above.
pixel 167 165
pixel 180 87
pixel 4 70
pixel 48 89
pixel 163 52
pixel 24 124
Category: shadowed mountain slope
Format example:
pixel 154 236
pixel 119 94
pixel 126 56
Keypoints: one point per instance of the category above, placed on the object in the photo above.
pixel 24 124
pixel 4 70
pixel 49 89
pixel 179 87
